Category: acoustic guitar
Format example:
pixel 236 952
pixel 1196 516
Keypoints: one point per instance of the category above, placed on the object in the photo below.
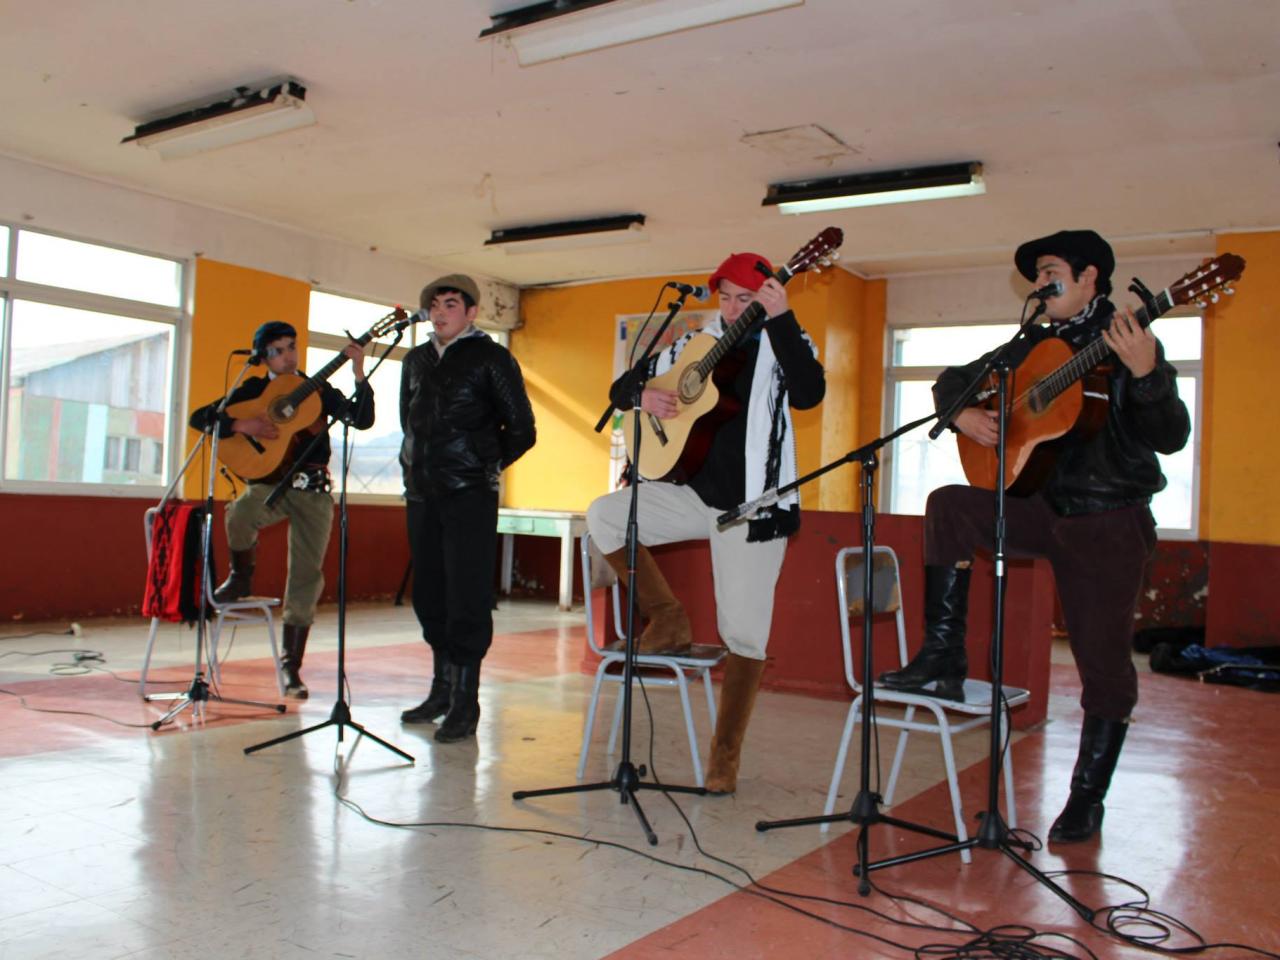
pixel 1056 393
pixel 292 404
pixel 675 448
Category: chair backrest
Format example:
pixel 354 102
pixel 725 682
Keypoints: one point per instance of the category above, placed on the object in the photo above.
pixel 886 597
pixel 597 575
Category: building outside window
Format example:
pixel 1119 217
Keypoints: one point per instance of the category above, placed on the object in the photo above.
pixel 88 363
pixel 916 465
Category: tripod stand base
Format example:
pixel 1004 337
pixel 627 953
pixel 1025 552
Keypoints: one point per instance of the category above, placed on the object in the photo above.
pixel 626 780
pixel 195 697
pixel 865 812
pixel 339 717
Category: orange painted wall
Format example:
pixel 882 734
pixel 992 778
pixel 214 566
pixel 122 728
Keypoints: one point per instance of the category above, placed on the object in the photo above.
pixel 230 303
pixel 1240 460
pixel 565 348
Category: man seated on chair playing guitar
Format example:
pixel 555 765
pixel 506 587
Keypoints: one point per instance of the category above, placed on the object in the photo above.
pixel 306 504
pixel 754 450
pixel 1091 518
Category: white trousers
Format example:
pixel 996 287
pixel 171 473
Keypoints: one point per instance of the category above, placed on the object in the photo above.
pixel 745 574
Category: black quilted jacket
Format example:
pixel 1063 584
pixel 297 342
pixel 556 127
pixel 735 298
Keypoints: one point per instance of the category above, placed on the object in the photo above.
pixel 466 416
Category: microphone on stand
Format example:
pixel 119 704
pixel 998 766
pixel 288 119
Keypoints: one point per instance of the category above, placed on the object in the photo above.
pixel 1052 289
pixel 698 292
pixel 255 358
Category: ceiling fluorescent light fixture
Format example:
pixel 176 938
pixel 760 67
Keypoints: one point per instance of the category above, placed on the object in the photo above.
pixel 570 234
pixel 561 28
pixel 247 113
pixel 872 189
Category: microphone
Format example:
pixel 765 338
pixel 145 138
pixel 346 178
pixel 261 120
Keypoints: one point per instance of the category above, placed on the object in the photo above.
pixel 698 292
pixel 1053 289
pixel 254 357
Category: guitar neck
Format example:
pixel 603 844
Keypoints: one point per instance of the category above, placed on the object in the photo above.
pixel 1097 351
pixel 735 331
pixel 321 377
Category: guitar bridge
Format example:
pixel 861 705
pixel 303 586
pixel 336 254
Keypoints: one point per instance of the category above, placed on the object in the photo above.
pixel 658 432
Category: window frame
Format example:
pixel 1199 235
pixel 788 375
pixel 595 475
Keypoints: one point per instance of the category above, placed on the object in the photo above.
pixel 895 375
pixel 177 317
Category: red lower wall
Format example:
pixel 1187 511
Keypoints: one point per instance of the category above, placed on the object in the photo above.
pixel 71 557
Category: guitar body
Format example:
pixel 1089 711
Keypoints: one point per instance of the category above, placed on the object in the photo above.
pixel 675 449
pixel 254 458
pixel 1033 430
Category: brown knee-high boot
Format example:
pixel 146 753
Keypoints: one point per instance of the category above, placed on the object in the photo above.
pixel 668 630
pixel 737 699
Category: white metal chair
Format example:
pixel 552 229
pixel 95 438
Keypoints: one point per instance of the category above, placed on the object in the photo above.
pixel 976 707
pixel 247 610
pixel 694 665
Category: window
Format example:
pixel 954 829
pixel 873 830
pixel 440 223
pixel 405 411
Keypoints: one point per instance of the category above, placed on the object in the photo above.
pixel 917 465
pixel 375 453
pixel 89 335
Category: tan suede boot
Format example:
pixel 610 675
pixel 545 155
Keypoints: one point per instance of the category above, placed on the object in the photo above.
pixel 737 699
pixel 668 630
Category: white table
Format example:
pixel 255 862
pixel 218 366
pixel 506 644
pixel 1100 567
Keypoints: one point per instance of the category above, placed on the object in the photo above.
pixel 542 523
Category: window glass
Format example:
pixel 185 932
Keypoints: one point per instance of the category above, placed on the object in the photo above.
pixel 58 262
pixel 4 251
pixel 375 454
pixel 947 346
pixel 85 390
pixel 1180 336
pixel 330 313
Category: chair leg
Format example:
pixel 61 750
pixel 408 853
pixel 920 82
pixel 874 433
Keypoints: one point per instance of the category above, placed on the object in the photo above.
pixel 1011 813
pixel 709 688
pixel 898 754
pixel 146 657
pixel 842 754
pixel 211 649
pixel 275 652
pixel 589 726
pixel 683 684
pixel 617 723
pixel 953 783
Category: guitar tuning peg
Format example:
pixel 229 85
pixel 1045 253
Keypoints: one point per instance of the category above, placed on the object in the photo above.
pixel 1229 291
pixel 835 255
pixel 817 269
pixel 1213 297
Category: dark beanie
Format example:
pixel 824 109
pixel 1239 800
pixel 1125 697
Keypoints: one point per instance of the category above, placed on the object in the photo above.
pixel 269 331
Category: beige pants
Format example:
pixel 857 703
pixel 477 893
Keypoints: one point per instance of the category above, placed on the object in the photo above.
pixel 310 516
pixel 745 574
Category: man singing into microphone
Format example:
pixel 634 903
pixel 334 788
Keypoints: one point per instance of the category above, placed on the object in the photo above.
pixel 466 417
pixel 306 504
pixel 1091 519
pixel 777 369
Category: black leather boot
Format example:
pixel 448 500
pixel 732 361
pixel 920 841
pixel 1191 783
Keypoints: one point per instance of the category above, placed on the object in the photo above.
pixel 464 706
pixel 295 645
pixel 940 666
pixel 239 582
pixel 437 702
pixel 1100 743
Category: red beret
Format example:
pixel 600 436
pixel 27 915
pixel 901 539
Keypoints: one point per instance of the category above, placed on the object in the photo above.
pixel 740 268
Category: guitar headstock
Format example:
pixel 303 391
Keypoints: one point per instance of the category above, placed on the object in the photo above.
pixel 395 320
pixel 1201 285
pixel 819 252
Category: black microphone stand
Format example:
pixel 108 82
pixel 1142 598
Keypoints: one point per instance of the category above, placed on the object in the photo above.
pixel 865 810
pixel 627 777
pixel 340 715
pixel 198 693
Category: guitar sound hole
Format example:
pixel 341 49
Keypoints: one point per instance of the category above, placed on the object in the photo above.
pixel 280 410
pixel 691 385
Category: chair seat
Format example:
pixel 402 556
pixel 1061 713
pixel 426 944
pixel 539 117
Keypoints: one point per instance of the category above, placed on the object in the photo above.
pixel 697 655
pixel 977 697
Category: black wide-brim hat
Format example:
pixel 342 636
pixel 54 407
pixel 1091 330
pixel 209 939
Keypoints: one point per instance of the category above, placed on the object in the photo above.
pixel 1068 244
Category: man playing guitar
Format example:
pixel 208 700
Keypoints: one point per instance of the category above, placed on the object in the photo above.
pixel 306 504
pixel 1091 518
pixel 773 368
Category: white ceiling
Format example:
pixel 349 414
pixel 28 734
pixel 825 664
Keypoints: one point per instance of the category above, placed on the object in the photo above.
pixel 1154 121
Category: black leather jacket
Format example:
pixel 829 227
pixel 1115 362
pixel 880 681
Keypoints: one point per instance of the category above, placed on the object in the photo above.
pixel 1117 466
pixel 465 415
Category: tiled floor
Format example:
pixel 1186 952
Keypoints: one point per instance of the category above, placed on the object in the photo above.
pixel 120 842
